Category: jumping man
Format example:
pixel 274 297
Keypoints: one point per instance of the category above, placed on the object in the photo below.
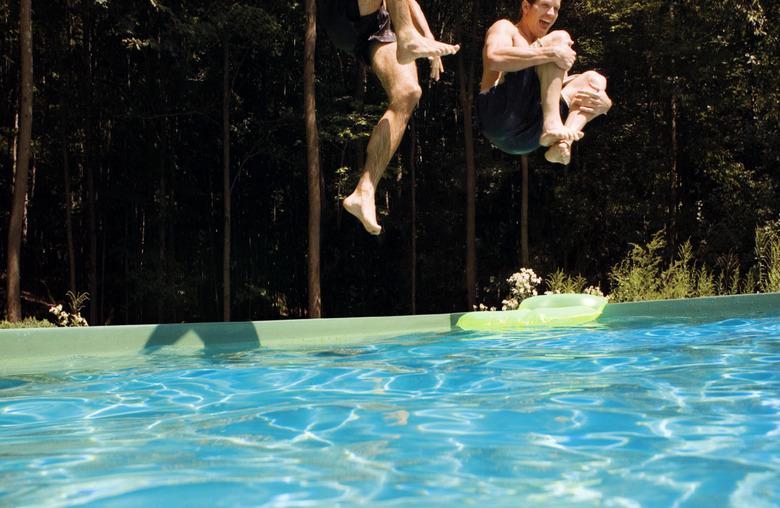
pixel 526 91
pixel 388 36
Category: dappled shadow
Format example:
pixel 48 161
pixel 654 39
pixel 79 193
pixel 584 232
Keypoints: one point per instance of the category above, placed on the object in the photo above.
pixel 216 337
pixel 9 383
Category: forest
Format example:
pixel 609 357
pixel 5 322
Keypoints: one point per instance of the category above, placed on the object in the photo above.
pixel 168 176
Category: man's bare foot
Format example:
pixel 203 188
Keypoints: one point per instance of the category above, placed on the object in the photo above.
pixel 413 46
pixel 362 206
pixel 562 133
pixel 559 153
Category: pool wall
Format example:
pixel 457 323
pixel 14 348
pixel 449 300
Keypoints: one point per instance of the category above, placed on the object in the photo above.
pixel 31 350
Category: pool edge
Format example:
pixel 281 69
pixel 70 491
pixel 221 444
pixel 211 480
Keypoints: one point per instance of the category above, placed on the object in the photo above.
pixel 31 350
pixel 711 307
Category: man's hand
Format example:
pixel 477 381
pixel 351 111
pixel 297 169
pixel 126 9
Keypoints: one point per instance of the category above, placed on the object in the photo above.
pixel 591 102
pixel 564 56
pixel 437 67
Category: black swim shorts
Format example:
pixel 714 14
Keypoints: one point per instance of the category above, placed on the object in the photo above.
pixel 510 114
pixel 352 32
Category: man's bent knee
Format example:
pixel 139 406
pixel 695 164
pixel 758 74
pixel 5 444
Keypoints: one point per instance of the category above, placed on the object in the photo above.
pixel 556 37
pixel 595 80
pixel 408 96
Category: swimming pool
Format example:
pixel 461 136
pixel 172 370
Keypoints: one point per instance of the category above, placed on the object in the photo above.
pixel 636 411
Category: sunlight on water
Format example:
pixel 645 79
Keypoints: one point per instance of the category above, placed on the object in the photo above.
pixel 654 415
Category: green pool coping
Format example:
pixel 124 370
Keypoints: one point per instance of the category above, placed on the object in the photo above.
pixel 31 350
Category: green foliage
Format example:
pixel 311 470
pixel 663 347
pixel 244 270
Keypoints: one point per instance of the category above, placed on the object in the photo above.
pixel 645 275
pixel 682 278
pixel 560 282
pixel 27 323
pixel 728 281
pixel 679 280
pixel 705 282
pixel 768 257
pixel 637 276
pixel 76 303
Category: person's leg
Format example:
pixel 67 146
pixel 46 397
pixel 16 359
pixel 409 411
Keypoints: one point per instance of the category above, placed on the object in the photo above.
pixel 403 91
pixel 592 81
pixel 412 44
pixel 369 6
pixel 550 84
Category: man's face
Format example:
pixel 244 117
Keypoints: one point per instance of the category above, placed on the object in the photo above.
pixel 540 16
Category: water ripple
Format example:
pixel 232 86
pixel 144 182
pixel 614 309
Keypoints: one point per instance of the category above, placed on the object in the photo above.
pixel 651 414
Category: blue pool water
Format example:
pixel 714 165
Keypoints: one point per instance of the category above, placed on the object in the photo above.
pixel 648 414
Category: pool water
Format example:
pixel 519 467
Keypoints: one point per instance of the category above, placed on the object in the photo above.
pixel 647 414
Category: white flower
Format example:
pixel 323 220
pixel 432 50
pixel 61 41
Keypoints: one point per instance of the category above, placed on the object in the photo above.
pixel 593 290
pixel 523 284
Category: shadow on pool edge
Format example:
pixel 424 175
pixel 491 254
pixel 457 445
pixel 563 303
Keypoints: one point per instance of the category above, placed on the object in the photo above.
pixel 217 338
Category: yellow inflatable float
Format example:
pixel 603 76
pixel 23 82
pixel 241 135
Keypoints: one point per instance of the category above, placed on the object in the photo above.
pixel 546 310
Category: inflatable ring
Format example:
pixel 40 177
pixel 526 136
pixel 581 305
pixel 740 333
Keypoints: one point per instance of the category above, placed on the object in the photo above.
pixel 546 310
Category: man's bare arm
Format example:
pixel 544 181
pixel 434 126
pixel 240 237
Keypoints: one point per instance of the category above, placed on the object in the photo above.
pixel 502 56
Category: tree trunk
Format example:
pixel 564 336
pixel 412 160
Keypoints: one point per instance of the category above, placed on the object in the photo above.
pixel 161 236
pixel 163 302
pixel 66 168
pixel 226 178
pixel 674 175
pixel 69 222
pixel 674 171
pixel 466 94
pixel 313 159
pixel 18 207
pixel 524 215
pixel 90 158
pixel 92 226
pixel 413 226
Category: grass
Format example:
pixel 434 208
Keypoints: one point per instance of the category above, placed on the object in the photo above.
pixel 27 323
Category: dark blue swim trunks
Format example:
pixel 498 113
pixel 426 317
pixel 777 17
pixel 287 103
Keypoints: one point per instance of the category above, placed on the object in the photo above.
pixel 351 32
pixel 510 114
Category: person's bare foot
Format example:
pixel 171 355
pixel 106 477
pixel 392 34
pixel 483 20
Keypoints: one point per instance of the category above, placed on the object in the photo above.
pixel 561 133
pixel 412 46
pixel 361 205
pixel 559 153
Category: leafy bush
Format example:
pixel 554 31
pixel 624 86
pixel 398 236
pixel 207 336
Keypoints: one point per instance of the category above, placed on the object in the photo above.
pixel 74 317
pixel 642 276
pixel 560 282
pixel 27 323
pixel 637 276
pixel 768 257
